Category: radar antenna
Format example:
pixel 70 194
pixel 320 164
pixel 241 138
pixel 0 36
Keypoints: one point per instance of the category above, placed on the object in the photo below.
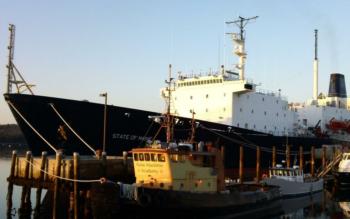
pixel 12 70
pixel 239 39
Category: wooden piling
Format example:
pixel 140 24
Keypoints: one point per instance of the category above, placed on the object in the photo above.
pixel 76 185
pixel 288 155
pixel 258 153
pixel 10 185
pixel 273 156
pixel 24 197
pixel 324 157
pixel 241 164
pixel 222 150
pixel 301 158
pixel 313 161
pixel 56 186
pixel 41 178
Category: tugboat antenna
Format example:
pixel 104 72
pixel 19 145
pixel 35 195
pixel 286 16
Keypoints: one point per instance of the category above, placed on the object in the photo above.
pixel 169 125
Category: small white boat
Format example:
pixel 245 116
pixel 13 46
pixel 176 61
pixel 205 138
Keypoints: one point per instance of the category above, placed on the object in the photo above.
pixel 342 174
pixel 293 181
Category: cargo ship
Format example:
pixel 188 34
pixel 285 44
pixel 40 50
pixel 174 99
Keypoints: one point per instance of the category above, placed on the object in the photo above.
pixel 228 109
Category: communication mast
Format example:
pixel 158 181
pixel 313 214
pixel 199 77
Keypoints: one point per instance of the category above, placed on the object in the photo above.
pixel 12 70
pixel 239 39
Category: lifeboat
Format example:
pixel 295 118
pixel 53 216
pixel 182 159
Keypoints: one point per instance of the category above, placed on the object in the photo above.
pixel 338 125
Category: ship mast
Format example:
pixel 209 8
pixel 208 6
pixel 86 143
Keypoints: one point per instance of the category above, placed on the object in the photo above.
pixel 315 88
pixel 11 48
pixel 239 39
pixel 169 122
pixel 12 70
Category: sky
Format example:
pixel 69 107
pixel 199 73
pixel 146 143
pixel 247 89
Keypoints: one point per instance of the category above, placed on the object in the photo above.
pixel 79 49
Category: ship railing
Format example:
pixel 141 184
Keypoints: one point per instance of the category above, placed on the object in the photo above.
pixel 200 74
pixel 272 93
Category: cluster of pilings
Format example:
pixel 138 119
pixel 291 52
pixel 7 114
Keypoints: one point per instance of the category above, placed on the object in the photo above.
pixel 70 182
pixel 312 161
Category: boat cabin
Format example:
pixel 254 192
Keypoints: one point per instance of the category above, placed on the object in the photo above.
pixel 178 170
pixel 344 165
pixel 290 174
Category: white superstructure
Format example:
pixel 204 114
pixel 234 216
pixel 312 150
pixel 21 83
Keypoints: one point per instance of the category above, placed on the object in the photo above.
pixel 229 98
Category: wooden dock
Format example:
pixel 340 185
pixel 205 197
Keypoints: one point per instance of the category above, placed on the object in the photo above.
pixel 69 179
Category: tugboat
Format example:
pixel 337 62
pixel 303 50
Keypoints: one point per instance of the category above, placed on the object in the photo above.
pixel 176 176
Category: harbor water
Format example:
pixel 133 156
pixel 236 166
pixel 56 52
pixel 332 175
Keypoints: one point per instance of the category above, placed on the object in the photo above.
pixel 332 203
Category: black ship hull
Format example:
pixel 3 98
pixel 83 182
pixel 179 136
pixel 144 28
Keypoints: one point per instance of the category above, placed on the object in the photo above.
pixel 128 128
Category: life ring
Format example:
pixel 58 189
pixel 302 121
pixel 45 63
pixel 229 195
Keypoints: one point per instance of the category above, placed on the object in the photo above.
pixel 145 200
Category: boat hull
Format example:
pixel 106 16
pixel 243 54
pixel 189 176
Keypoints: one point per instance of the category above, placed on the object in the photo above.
pixel 236 201
pixel 342 178
pixel 294 188
pixel 128 128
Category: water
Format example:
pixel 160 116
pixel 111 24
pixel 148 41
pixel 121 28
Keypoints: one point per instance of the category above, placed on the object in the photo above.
pixel 327 204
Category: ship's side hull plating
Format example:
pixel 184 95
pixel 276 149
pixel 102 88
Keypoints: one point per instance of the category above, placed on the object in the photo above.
pixel 128 128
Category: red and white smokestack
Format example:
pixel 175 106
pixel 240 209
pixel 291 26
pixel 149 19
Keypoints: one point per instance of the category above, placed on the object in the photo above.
pixel 315 88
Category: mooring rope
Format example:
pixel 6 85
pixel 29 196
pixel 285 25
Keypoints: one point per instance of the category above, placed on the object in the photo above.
pixel 28 123
pixel 70 128
pixel 63 178
pixel 250 145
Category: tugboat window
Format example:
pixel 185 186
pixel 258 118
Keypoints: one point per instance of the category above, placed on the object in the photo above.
pixel 141 157
pixel 161 158
pixel 153 157
pixel 147 157
pixel 136 157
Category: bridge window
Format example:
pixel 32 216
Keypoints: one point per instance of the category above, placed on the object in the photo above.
pixel 153 157
pixel 147 157
pixel 161 158
pixel 141 157
pixel 136 157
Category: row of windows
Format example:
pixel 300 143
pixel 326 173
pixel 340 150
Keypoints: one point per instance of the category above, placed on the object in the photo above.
pixel 149 157
pixel 192 83
pixel 265 113
pixel 263 99
pixel 246 126
pixel 206 110
pixel 206 96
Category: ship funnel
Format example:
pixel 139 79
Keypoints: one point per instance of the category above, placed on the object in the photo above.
pixel 337 86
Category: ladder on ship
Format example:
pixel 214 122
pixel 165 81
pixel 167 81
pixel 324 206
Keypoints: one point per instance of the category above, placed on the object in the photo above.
pixel 330 166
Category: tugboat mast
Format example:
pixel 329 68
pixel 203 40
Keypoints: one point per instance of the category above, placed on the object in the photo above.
pixel 239 39
pixel 169 125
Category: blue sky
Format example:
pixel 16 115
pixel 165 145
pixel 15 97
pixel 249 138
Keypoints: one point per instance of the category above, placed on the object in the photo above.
pixel 78 49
